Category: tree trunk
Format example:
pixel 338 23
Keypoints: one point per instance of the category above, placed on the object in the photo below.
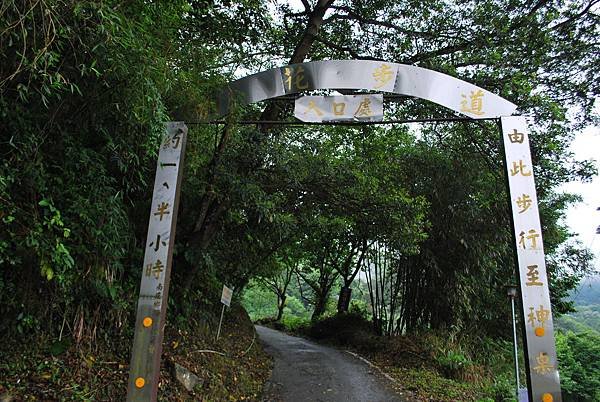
pixel 320 306
pixel 280 307
pixel 344 299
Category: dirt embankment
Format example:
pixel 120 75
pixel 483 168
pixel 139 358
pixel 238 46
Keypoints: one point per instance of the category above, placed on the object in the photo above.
pixel 232 369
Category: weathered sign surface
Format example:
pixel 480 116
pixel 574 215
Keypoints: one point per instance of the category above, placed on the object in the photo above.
pixel 226 296
pixel 144 369
pixel 458 95
pixel 339 108
pixel 535 297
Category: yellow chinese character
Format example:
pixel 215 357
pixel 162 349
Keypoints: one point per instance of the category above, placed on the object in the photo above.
pixel 531 317
pixel 516 137
pixel 541 315
pixel 532 236
pixel 533 276
pixel 524 202
pixel 312 107
pixel 544 366
pixel 383 74
pixel 294 78
pixel 520 168
pixel 339 108
pixel 476 105
pixel 162 210
pixel 155 269
pixel 364 108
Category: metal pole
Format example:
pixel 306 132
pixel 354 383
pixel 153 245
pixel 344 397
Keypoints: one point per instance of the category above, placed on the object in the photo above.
pixel 514 325
pixel 345 123
pixel 220 322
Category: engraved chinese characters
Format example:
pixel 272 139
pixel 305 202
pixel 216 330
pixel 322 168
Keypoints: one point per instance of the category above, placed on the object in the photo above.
pixel 154 288
pixel 474 105
pixel 374 75
pixel 384 75
pixel 294 79
pixel 378 76
pixel 339 108
pixel 539 332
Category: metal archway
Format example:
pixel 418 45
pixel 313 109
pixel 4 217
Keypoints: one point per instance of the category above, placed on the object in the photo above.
pixel 457 95
pixel 447 91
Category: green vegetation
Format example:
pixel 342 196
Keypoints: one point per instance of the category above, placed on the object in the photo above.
pixel 441 365
pixel 587 314
pixel 401 213
pixel 586 318
pixel 578 344
pixel 432 365
pixel 579 365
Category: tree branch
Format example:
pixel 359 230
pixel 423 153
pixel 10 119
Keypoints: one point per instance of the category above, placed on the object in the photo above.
pixel 346 49
pixel 306 5
pixel 575 17
pixel 353 15
pixel 315 20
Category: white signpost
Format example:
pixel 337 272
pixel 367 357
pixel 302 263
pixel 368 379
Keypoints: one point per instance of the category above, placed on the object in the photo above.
pixel 226 300
pixel 144 369
pixel 535 297
pixel 226 296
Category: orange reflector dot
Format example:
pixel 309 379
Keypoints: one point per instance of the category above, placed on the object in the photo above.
pixel 147 322
pixel 547 398
pixel 539 331
pixel 140 382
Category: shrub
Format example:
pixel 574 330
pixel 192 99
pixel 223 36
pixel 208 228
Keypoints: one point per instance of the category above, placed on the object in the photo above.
pixel 295 324
pixel 345 329
pixel 453 363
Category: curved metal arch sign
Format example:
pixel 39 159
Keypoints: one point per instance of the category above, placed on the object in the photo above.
pixel 447 91
pixel 452 93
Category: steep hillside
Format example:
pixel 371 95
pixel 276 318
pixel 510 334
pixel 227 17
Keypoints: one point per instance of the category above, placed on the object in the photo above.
pixel 234 368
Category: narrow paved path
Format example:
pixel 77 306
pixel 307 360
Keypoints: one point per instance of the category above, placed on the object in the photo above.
pixel 306 371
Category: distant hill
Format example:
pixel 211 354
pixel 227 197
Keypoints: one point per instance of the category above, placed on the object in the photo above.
pixel 588 292
pixel 587 303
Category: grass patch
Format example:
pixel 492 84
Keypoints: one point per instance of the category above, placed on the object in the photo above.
pixel 430 385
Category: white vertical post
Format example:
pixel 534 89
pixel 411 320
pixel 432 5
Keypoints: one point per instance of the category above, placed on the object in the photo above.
pixel 144 370
pixel 541 363
pixel 220 323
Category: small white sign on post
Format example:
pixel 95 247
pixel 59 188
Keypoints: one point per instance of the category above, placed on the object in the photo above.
pixel 226 300
pixel 226 296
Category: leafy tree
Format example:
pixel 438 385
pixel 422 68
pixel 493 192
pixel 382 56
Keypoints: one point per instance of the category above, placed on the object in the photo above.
pixel 279 282
pixel 85 89
pixel 579 368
